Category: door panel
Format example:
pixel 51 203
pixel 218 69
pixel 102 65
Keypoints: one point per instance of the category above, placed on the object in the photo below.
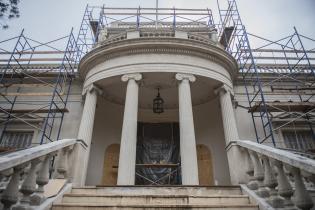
pixel 110 169
pixel 205 168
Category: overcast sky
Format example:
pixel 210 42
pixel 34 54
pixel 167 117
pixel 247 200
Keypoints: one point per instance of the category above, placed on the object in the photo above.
pixel 46 20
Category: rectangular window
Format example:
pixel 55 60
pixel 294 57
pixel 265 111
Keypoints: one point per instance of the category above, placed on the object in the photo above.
pixel 17 139
pixel 301 140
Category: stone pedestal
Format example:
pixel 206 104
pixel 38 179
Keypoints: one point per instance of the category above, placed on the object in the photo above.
pixel 128 145
pixel 188 151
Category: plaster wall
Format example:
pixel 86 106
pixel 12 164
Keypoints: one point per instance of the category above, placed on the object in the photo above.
pixel 71 120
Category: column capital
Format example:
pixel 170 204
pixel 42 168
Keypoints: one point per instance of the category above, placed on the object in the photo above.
pixel 223 89
pixel 127 77
pixel 92 88
pixel 189 77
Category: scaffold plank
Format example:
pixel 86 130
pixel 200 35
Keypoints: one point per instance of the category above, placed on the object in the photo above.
pixel 33 111
pixel 158 165
pixel 284 107
pixel 30 94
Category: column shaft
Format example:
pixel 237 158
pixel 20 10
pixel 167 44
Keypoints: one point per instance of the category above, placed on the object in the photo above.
pixel 234 155
pixel 188 151
pixel 228 117
pixel 87 120
pixel 85 134
pixel 128 145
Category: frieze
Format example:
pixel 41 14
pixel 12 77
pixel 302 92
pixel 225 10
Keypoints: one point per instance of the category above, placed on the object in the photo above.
pixel 157 46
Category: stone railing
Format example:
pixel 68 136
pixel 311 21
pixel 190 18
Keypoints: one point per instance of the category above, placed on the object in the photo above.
pixel 115 38
pixel 212 40
pixel 25 173
pixel 157 34
pixel 278 176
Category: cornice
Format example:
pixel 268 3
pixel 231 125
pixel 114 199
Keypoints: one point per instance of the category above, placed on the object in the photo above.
pixel 157 46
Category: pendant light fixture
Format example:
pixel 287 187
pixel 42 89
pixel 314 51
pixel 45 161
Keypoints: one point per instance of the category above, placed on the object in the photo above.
pixel 158 103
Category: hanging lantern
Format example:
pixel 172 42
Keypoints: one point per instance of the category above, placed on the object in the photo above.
pixel 158 104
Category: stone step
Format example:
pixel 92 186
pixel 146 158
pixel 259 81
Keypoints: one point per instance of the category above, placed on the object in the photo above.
pixel 156 199
pixel 160 190
pixel 151 207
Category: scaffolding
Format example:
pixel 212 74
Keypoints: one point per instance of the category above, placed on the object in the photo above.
pixel 98 19
pixel 35 83
pixel 282 67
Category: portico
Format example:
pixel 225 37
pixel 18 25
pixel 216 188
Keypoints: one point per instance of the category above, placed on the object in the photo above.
pixel 124 98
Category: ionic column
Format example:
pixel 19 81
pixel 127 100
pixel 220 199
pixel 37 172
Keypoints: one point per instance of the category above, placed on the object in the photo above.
pixel 228 117
pixel 85 134
pixel 234 155
pixel 128 144
pixel 188 151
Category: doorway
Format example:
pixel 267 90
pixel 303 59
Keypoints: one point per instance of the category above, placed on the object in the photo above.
pixel 158 158
pixel 158 161
pixel 110 168
pixel 205 168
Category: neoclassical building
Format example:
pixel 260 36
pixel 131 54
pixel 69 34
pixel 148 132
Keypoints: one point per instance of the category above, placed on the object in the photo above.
pixel 123 79
pixel 163 110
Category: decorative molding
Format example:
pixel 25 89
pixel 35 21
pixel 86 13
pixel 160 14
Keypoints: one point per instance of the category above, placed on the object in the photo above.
pixel 104 73
pixel 223 90
pixel 127 77
pixel 92 87
pixel 189 77
pixel 157 46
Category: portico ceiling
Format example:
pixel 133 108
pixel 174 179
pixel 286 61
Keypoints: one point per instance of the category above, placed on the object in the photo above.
pixel 202 90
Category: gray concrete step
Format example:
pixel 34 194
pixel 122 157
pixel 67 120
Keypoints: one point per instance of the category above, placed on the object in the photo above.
pixel 160 190
pixel 151 207
pixel 156 199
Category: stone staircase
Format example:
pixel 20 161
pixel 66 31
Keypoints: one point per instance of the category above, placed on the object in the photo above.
pixel 162 197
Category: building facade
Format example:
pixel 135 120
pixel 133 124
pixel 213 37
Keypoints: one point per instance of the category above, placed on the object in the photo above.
pixel 159 104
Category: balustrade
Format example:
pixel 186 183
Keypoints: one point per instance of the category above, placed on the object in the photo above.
pixel 28 171
pixel 211 40
pixel 269 170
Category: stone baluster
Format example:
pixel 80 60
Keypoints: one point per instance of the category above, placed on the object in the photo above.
pixel 252 184
pixel 309 177
pixel 270 181
pixel 28 187
pixel 284 186
pixel 302 198
pixel 62 163
pixel 6 174
pixel 259 175
pixel 41 180
pixel 11 194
